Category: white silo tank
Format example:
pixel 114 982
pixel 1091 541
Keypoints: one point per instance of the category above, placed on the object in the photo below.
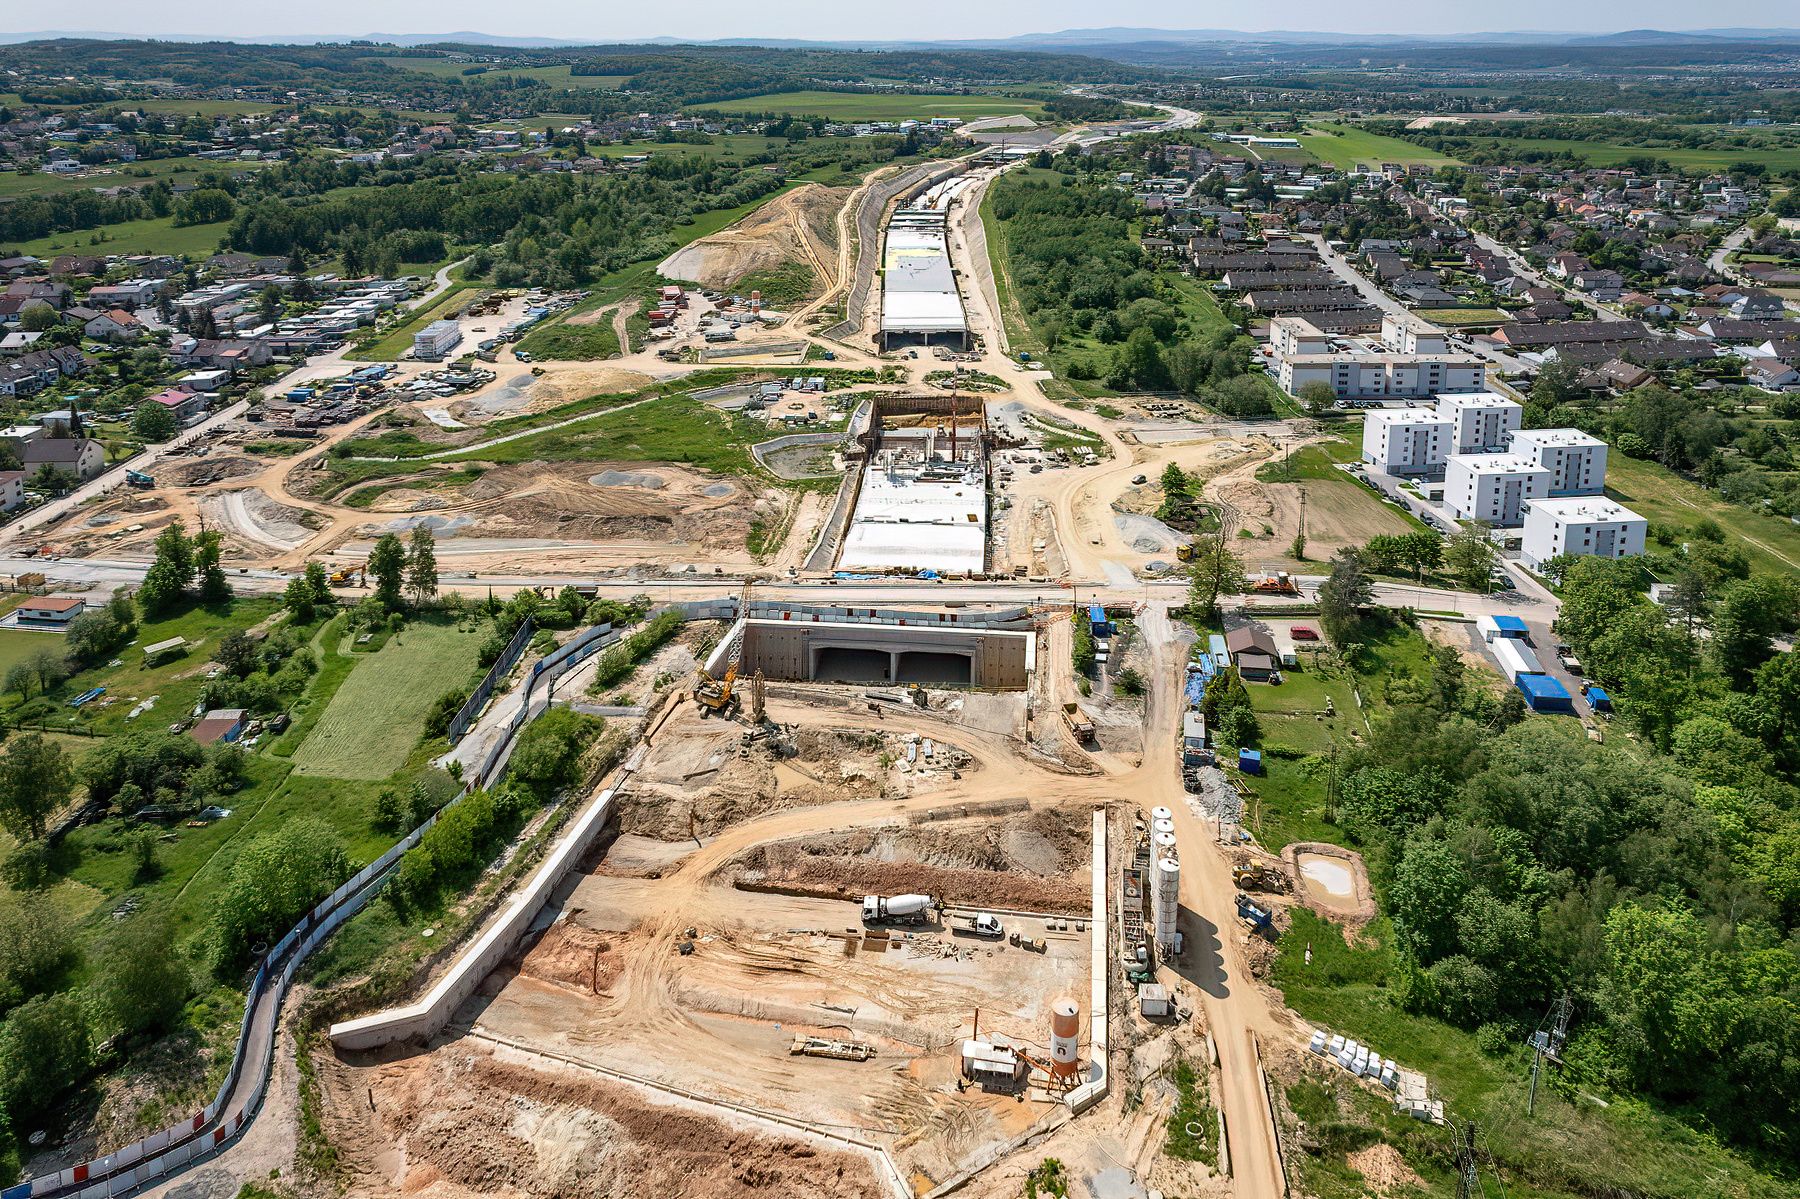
pixel 1162 826
pixel 1162 845
pixel 1166 902
pixel 1065 1037
pixel 1160 813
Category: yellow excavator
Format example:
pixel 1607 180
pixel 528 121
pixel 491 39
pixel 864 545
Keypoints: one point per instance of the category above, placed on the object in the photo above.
pixel 342 576
pixel 718 695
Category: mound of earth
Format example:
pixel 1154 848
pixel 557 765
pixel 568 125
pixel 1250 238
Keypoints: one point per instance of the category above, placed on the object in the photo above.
pixel 792 228
pixel 199 472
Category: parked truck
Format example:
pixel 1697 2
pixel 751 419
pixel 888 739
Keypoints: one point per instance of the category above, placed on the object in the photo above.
pixel 139 480
pixel 896 909
pixel 1079 725
pixel 981 924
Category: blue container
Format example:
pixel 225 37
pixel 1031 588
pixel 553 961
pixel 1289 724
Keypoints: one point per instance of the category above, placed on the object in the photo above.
pixel 1250 761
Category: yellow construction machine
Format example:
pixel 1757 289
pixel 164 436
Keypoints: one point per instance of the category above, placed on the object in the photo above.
pixel 341 577
pixel 716 695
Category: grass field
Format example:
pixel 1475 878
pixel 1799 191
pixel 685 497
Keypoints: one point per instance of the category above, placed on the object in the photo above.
pixel 377 715
pixel 1606 154
pixel 668 429
pixel 1659 494
pixel 16 645
pixel 153 235
pixel 555 76
pixel 176 170
pixel 1462 316
pixel 390 346
pixel 1343 146
pixel 879 106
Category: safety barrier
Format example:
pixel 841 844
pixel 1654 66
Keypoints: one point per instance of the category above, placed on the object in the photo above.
pixel 471 708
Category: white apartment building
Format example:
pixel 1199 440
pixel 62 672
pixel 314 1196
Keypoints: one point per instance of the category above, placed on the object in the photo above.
pixel 1410 335
pixel 1580 524
pixel 1370 376
pixel 1493 487
pixel 1576 461
pixel 1484 421
pixel 436 340
pixel 1406 441
pixel 1295 335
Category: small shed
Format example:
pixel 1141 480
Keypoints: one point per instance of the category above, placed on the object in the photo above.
pixel 984 1061
pixel 1250 761
pixel 1193 737
pixel 220 724
pixel 1598 699
pixel 1543 693
pixel 1153 1001
pixel 1495 627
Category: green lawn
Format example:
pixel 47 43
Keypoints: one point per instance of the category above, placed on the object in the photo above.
pixel 1659 494
pixel 879 106
pixel 16 645
pixel 390 346
pixel 667 429
pixel 378 713
pixel 153 235
pixel 1344 146
pixel 175 170
pixel 1462 316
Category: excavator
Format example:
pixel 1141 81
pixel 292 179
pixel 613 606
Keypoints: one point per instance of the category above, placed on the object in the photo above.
pixel 342 575
pixel 718 695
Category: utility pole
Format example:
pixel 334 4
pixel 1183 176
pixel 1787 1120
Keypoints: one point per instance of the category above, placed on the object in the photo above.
pixel 1547 1042
pixel 1468 1179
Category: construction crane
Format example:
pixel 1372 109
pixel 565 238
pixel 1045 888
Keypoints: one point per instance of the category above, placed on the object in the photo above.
pixel 717 695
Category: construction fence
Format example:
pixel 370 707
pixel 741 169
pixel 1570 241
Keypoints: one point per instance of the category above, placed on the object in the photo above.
pixel 478 699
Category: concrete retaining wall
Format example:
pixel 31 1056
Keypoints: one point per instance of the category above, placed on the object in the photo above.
pixel 427 1016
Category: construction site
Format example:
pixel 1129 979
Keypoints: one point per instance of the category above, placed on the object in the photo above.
pixel 921 503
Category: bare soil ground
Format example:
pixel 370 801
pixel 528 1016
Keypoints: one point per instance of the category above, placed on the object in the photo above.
pixel 797 227
pixel 698 782
pixel 470 1121
pixel 605 501
pixel 1339 514
pixel 1036 862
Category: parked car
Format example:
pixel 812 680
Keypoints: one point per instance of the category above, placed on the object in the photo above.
pixel 1301 633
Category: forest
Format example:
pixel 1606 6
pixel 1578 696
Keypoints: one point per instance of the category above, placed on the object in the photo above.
pixel 1652 878
pixel 1104 310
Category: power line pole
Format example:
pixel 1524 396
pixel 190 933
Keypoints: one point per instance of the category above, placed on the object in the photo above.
pixel 1468 1178
pixel 1547 1042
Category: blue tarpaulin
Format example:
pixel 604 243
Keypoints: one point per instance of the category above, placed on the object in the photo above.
pixel 1510 624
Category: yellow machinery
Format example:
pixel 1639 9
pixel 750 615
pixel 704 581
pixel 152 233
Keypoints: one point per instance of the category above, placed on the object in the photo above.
pixel 341 577
pixel 716 695
pixel 1184 552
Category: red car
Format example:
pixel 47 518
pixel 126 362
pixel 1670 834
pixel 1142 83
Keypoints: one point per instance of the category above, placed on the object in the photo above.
pixel 1301 633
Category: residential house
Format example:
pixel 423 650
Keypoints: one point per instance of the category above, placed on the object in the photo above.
pixel 1253 652
pixel 12 489
pixel 114 325
pixel 82 457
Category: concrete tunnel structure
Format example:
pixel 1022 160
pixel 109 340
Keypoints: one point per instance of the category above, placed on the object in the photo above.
pixel 824 651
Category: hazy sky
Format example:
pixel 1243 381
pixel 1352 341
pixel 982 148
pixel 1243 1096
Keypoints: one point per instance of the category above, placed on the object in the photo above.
pixel 611 20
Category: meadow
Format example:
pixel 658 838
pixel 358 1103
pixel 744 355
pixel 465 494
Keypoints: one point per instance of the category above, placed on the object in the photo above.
pixel 879 106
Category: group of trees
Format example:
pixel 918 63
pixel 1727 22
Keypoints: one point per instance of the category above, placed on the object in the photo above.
pixel 181 564
pixel 1653 880
pixel 1076 266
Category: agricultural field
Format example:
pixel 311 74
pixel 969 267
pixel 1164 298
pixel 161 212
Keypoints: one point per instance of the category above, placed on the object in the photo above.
pixel 879 106
pixel 1343 146
pixel 1605 154
pixel 175 170
pixel 555 76
pixel 368 730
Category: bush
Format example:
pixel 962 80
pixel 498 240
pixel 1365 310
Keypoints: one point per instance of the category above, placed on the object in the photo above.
pixel 274 882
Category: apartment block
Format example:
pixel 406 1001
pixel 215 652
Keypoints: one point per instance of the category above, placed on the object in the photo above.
pixel 1406 441
pixel 1493 487
pixel 1484 421
pixel 1580 525
pixel 1576 461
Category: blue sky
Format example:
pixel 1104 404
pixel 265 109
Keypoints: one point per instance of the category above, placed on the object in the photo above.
pixel 608 20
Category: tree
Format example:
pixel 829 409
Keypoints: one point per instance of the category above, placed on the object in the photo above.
pixel 548 755
pixel 45 1049
pixel 144 978
pixel 1174 480
pixel 208 548
pixel 94 635
pixel 1316 397
pixel 421 564
pixel 1343 595
pixel 19 678
pixel 1750 613
pixel 320 583
pixel 170 572
pixel 34 782
pixel 38 318
pixel 236 653
pixel 387 564
pixel 272 884
pixel 1215 571
pixel 151 421
pixel 299 600
pixel 1470 557
pixel 36 946
pixel 48 667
